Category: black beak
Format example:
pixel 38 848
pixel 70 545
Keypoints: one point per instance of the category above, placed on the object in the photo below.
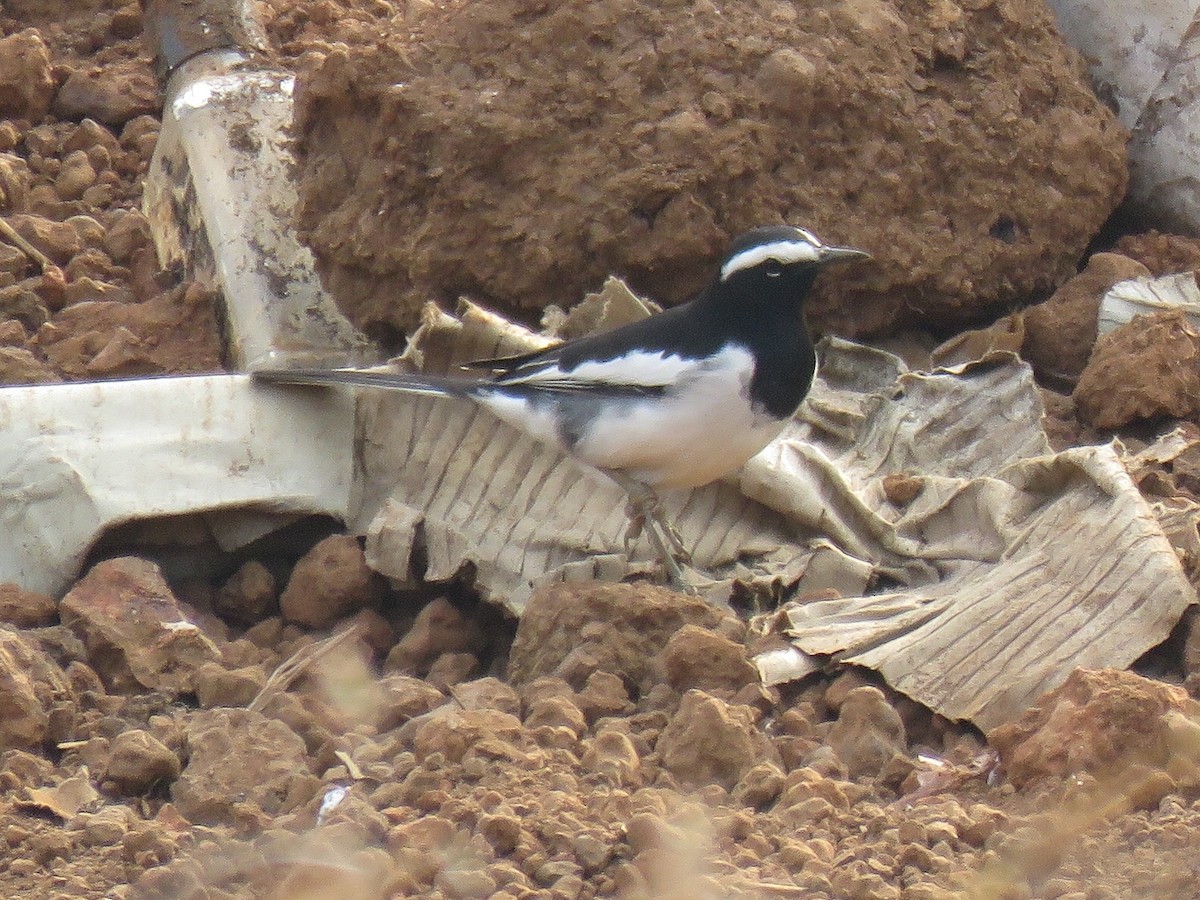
pixel 842 254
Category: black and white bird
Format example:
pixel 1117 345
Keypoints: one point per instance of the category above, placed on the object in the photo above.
pixel 676 400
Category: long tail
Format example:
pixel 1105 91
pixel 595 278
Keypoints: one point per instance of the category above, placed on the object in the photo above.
pixel 434 385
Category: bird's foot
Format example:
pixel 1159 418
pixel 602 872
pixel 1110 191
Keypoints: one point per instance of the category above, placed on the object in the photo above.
pixel 646 515
pixel 642 516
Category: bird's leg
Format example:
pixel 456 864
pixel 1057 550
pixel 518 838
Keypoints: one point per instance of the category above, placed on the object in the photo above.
pixel 640 513
pixel 674 573
pixel 637 524
pixel 645 513
pixel 650 511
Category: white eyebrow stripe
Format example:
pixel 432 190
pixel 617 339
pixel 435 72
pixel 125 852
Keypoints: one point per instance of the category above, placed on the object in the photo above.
pixel 782 251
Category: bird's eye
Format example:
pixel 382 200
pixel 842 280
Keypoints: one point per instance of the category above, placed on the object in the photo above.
pixel 773 268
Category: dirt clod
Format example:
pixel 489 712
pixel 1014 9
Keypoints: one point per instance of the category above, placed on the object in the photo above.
pixel 132 624
pixel 1060 333
pixel 563 631
pixel 26 609
pixel 234 757
pixel 331 581
pixel 1095 721
pixel 709 741
pixel 868 733
pixel 1146 369
pixel 26 79
pixel 137 761
pixel 440 629
pixel 249 595
pixel 696 657
pixel 30 684
pixel 442 157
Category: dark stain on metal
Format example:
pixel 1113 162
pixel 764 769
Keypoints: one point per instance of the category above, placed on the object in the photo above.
pixel 177 30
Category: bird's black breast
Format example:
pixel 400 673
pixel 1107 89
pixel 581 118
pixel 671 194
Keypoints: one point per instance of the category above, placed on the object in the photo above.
pixel 785 364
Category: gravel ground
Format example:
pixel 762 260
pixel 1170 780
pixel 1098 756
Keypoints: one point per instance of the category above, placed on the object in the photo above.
pixel 322 733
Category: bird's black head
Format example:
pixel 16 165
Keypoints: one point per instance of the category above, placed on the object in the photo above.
pixel 777 260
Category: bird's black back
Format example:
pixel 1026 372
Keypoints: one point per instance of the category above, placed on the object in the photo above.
pixel 759 312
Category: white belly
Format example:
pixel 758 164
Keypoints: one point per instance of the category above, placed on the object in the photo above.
pixel 699 431
pixel 701 428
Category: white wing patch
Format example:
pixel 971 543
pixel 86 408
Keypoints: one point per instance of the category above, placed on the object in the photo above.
pixel 639 368
pixel 807 249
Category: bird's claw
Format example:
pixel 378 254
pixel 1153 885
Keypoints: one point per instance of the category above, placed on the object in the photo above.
pixel 646 514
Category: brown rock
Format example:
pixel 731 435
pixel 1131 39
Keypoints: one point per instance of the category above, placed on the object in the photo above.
pixel 104 828
pixel 19 302
pixel 403 698
pixel 13 263
pixel 128 234
pixel 57 240
pixel 450 669
pixel 487 693
pixel 75 176
pixel 89 135
pixel 612 754
pixel 1162 254
pixel 112 94
pixel 26 79
pixel 19 366
pixel 439 628
pixel 26 609
pixel 841 687
pixel 452 731
pixel 699 658
pixel 235 757
pixel 332 580
pixel 868 733
pixel 664 155
pixel 501 831
pixel 1096 722
pixel 807 789
pixel 708 741
pixel 138 761
pixel 89 229
pixel 373 630
pixel 31 684
pixel 556 712
pixel 1059 333
pixel 603 695
pixel 134 629
pixel 218 686
pixel 573 631
pixel 249 595
pixel 759 786
pixel 12 333
pixel 241 652
pixel 14 184
pixel 95 266
pixel 174 331
pixel 266 634
pixel 1146 369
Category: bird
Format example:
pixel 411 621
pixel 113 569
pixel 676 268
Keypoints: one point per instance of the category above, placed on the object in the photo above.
pixel 676 400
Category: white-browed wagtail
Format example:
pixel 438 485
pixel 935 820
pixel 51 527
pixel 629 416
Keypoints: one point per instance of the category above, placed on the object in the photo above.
pixel 676 400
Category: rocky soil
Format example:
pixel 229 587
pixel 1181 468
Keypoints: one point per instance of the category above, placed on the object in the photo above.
pixel 81 294
pixel 298 727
